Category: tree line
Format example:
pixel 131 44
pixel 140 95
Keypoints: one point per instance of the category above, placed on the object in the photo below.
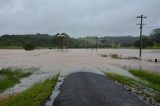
pixel 63 40
pixel 149 41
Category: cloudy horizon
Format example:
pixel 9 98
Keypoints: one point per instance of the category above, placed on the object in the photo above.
pixel 78 17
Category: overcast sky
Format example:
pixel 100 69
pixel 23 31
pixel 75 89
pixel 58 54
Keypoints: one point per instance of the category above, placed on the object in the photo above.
pixel 78 17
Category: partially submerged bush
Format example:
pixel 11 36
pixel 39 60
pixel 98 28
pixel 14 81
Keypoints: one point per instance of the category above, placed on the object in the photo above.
pixel 29 47
pixel 104 55
pixel 115 56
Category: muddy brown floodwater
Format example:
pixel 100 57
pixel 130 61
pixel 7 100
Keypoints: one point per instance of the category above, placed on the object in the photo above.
pixel 49 62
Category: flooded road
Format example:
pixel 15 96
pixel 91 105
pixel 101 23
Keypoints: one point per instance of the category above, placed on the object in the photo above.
pixel 50 62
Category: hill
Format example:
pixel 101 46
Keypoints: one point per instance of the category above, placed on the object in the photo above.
pixel 45 40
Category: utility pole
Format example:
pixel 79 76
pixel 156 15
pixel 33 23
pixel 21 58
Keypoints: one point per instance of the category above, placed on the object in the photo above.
pixel 96 43
pixel 141 26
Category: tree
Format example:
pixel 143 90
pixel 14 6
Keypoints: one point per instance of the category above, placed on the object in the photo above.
pixel 61 40
pixel 55 40
pixel 66 40
pixel 145 42
pixel 155 36
pixel 103 41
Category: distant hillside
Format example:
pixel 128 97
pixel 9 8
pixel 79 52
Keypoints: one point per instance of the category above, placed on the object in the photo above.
pixel 45 40
pixel 108 40
pixel 121 39
pixel 19 40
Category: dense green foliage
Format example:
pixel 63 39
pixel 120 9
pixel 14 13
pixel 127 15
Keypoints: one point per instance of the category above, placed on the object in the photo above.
pixel 153 40
pixel 34 96
pixel 64 41
pixel 110 42
pixel 19 40
pixel 45 40
pixel 11 77
pixel 146 42
pixel 155 36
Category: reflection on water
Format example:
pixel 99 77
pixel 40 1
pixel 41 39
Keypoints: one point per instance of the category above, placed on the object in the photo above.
pixel 50 62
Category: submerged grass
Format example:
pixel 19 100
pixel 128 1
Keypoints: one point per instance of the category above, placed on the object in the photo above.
pixel 34 96
pixel 11 77
pixel 116 56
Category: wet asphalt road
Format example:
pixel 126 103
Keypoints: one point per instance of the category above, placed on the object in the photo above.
pixel 89 89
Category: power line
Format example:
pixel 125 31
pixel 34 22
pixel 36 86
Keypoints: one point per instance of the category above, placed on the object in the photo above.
pixel 141 27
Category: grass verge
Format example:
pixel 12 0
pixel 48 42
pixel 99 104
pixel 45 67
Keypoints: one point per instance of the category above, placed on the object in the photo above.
pixel 34 96
pixel 10 77
pixel 152 77
pixel 123 80
pixel 139 88
pixel 146 75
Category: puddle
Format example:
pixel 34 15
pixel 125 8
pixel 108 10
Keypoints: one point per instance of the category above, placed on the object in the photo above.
pixel 55 92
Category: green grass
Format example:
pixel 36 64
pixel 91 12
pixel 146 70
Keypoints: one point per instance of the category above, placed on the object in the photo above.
pixel 11 77
pixel 120 79
pixel 146 75
pixel 34 96
pixel 152 77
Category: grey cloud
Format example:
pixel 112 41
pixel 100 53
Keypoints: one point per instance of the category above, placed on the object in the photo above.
pixel 78 17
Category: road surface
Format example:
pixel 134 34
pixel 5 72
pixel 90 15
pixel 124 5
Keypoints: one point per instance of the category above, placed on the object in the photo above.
pixel 89 89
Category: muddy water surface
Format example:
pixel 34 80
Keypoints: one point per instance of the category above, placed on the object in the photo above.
pixel 50 62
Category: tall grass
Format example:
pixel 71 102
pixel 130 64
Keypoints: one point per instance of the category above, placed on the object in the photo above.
pixel 34 96
pixel 11 77
pixel 152 77
pixel 121 79
pixel 146 75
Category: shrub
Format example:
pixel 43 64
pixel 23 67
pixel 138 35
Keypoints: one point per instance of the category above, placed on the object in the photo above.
pixel 29 47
